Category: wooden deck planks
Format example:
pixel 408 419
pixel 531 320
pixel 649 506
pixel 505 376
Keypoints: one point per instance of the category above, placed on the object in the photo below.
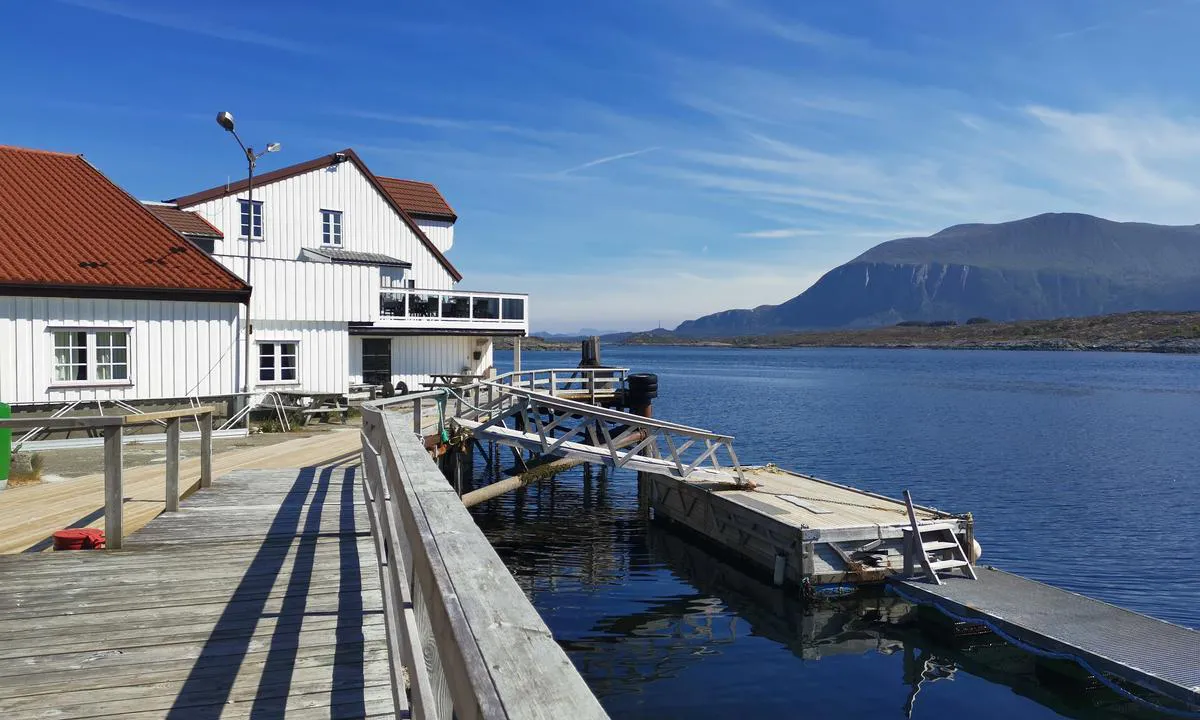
pixel 260 598
pixel 30 514
pixel 798 500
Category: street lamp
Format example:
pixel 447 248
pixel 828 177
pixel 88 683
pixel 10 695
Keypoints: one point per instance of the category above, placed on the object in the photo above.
pixel 225 120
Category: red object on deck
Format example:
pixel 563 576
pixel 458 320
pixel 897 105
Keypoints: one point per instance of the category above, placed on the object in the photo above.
pixel 79 539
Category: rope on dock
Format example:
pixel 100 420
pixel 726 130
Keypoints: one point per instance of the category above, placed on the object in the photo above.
pixel 1050 654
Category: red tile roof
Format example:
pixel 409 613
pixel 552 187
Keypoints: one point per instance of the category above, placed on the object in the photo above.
pixel 66 229
pixel 325 161
pixel 191 224
pixel 420 199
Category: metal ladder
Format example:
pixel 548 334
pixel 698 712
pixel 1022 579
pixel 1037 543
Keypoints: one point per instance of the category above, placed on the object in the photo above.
pixel 933 545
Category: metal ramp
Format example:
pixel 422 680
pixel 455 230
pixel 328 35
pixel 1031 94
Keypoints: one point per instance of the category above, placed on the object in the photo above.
pixel 550 425
pixel 1104 639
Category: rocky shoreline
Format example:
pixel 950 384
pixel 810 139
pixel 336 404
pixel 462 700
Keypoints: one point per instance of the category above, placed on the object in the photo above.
pixel 1155 332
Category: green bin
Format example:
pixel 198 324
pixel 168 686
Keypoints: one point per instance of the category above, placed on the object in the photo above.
pixel 5 446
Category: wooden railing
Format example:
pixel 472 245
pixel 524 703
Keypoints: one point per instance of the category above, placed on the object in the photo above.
pixel 113 429
pixel 463 639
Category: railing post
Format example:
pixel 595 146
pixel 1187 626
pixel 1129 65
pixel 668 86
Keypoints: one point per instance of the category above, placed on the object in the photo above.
pixel 416 406
pixel 172 478
pixel 206 429
pixel 114 494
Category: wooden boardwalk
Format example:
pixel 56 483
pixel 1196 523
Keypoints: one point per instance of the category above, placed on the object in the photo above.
pixel 30 514
pixel 260 598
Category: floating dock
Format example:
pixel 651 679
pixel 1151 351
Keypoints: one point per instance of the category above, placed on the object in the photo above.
pixel 1156 655
pixel 799 528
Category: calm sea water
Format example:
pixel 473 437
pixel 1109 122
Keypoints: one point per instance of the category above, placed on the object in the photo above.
pixel 1080 469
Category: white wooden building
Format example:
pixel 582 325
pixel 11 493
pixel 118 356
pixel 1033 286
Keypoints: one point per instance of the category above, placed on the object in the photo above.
pixel 351 280
pixel 102 300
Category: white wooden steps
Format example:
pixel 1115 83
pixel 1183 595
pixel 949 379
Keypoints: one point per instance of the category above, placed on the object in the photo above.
pixel 934 546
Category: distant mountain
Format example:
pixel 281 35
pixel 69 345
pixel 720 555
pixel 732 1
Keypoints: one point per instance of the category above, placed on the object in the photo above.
pixel 1053 265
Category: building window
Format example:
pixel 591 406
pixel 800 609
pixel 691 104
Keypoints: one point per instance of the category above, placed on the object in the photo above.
pixel 112 356
pixel 91 356
pixel 331 227
pixel 70 356
pixel 277 362
pixel 258 218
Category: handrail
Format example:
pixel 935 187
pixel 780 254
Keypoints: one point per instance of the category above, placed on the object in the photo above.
pixel 468 293
pixel 572 405
pixel 459 628
pixel 113 428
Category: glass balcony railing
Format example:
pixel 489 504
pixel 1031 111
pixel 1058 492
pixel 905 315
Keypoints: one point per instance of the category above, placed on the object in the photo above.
pixel 452 307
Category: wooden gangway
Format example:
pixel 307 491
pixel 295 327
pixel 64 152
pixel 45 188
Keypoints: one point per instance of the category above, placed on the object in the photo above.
pixel 1103 639
pixel 258 598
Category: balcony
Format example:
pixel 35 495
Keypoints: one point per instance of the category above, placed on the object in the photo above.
pixel 449 310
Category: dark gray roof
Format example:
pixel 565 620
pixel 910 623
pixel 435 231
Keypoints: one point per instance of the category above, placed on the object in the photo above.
pixel 358 258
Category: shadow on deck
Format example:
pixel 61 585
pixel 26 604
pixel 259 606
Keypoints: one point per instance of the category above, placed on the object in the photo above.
pixel 249 602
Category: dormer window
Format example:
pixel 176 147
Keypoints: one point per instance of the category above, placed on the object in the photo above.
pixel 258 210
pixel 331 227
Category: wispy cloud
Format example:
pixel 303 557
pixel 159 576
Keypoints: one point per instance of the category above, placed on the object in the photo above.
pixel 606 160
pixel 1078 31
pixel 791 30
pixel 194 24
pixel 441 123
pixel 780 233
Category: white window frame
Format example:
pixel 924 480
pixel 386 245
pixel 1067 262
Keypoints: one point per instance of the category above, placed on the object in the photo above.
pixel 256 205
pixel 277 356
pixel 91 357
pixel 332 227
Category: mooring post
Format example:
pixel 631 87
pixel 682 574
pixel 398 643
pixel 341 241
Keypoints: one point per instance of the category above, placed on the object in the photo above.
pixel 590 353
pixel 114 495
pixel 172 476
pixel 639 397
pixel 206 430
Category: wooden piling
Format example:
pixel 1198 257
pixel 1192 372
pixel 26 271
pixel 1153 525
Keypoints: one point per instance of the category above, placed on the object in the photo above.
pixel 172 474
pixel 114 495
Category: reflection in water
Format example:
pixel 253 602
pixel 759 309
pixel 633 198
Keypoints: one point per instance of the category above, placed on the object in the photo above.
pixel 661 627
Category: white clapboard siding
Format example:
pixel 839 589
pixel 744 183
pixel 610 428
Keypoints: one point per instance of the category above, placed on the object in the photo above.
pixel 309 290
pixel 416 357
pixel 441 232
pixel 321 360
pixel 292 221
pixel 177 349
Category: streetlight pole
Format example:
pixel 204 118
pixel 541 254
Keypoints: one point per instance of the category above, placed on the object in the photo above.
pixel 225 120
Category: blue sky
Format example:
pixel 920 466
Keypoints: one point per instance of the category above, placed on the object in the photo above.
pixel 632 163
